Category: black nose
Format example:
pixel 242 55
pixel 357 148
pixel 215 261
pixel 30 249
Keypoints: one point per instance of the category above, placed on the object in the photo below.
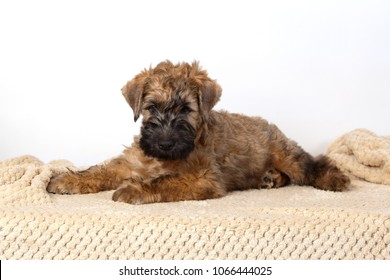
pixel 166 145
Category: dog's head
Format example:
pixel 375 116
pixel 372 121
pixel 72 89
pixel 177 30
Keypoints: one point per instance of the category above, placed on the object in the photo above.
pixel 175 101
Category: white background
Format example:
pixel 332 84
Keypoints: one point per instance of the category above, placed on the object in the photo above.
pixel 317 69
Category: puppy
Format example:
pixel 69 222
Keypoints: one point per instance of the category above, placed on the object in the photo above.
pixel 187 151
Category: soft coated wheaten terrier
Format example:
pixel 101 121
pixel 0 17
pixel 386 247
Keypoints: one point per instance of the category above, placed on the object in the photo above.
pixel 187 151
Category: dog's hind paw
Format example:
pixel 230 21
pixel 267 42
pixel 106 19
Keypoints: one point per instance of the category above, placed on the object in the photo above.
pixel 273 179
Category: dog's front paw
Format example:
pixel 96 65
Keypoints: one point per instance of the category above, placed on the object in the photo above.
pixel 133 195
pixel 64 183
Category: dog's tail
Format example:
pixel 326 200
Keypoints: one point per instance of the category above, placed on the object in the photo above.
pixel 323 174
pixel 305 170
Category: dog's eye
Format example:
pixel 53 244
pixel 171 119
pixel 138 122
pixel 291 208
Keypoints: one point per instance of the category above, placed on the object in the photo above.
pixel 185 110
pixel 152 108
pixel 152 125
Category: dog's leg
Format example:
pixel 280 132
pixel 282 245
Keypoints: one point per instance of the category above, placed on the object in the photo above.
pixel 303 169
pixel 170 188
pixel 95 179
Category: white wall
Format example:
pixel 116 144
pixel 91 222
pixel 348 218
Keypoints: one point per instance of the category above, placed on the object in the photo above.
pixel 317 69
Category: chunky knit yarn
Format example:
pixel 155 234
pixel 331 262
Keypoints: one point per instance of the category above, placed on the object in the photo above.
pixel 287 223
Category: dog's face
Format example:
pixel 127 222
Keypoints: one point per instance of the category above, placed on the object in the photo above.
pixel 175 102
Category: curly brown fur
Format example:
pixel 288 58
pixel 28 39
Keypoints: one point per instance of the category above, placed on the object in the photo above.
pixel 187 151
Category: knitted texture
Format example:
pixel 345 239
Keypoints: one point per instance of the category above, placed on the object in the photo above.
pixel 287 223
pixel 363 155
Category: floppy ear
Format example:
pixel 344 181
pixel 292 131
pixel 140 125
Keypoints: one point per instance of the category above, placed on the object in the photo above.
pixel 209 95
pixel 133 93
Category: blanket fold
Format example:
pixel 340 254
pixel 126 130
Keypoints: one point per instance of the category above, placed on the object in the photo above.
pixel 23 180
pixel 364 155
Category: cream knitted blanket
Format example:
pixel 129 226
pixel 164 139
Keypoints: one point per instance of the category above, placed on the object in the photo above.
pixel 288 223
pixel 363 155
